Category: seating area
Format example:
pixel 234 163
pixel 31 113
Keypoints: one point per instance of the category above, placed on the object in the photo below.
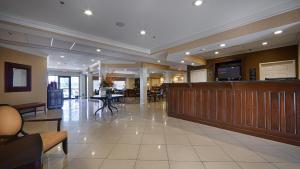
pixel 172 84
pixel 20 147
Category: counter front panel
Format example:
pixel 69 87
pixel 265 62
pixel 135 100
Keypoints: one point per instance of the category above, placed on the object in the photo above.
pixel 265 109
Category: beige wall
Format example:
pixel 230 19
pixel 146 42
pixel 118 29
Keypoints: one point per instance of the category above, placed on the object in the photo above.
pixel 38 65
pixel 130 83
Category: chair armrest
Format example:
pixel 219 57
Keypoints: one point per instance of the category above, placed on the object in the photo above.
pixel 21 151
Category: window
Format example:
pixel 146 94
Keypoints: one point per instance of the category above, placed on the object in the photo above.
pixel 120 85
pixel 74 87
pixel 52 79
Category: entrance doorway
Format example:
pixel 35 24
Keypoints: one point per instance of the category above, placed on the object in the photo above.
pixel 69 85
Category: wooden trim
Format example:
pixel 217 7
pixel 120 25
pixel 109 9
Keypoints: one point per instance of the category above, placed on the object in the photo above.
pixel 8 77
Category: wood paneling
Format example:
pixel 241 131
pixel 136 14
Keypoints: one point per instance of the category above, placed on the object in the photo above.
pixel 250 61
pixel 266 109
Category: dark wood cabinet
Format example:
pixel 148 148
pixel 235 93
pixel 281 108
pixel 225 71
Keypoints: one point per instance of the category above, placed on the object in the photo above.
pixel 269 109
pixel 55 99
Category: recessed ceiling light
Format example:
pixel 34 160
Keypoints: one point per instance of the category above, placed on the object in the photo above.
pixel 143 32
pixel 88 12
pixel 93 60
pixel 62 56
pixel 223 45
pixel 193 64
pixel 265 43
pixel 182 61
pixel 158 61
pixel 278 32
pixel 198 2
pixel 216 52
pixel 187 53
pixel 98 50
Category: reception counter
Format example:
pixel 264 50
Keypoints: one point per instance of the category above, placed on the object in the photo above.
pixel 268 109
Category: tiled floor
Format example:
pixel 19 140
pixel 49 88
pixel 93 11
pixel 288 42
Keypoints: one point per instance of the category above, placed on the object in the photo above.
pixel 143 137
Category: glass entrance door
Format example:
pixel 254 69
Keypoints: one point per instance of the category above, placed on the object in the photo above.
pixel 65 84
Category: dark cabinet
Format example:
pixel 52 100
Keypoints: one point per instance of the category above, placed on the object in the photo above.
pixel 55 99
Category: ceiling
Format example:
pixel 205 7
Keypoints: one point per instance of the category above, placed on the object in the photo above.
pixel 170 21
pixel 54 30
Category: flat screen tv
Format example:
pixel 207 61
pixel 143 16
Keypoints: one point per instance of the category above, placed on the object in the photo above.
pixel 229 71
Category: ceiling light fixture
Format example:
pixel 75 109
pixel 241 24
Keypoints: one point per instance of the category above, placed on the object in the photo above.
pixel 198 2
pixel 216 52
pixel 88 12
pixel 62 56
pixel 223 45
pixel 98 50
pixel 278 32
pixel 143 32
pixel 72 46
pixel 182 61
pixel 58 63
pixel 265 43
pixel 51 44
pixel 187 53
pixel 193 64
pixel 158 61
pixel 93 60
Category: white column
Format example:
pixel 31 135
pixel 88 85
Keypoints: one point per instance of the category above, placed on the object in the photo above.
pixel 168 77
pixel 90 91
pixel 99 75
pixel 82 85
pixel 184 77
pixel 143 85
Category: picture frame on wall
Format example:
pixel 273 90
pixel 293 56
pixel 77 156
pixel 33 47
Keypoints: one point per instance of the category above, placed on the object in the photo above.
pixel 17 77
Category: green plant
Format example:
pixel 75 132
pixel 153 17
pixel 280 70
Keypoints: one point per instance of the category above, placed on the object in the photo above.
pixel 105 84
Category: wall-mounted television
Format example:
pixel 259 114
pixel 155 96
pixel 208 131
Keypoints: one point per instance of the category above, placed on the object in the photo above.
pixel 229 71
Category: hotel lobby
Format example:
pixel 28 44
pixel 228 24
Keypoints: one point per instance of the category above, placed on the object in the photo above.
pixel 196 84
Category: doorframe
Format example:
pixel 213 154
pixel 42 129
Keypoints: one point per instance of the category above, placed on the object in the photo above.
pixel 69 84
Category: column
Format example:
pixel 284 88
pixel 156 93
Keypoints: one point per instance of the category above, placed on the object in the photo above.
pixel 143 85
pixel 82 85
pixel 184 77
pixel 99 76
pixel 89 84
pixel 168 77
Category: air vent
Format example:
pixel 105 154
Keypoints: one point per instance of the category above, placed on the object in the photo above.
pixel 120 24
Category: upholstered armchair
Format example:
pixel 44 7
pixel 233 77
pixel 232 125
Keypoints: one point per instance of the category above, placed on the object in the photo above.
pixel 21 150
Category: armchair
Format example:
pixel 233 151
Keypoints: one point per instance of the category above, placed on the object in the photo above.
pixel 19 147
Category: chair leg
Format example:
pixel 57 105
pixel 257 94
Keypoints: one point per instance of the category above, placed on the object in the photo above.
pixel 65 146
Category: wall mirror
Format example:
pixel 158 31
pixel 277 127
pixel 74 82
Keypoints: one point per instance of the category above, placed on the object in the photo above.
pixel 17 77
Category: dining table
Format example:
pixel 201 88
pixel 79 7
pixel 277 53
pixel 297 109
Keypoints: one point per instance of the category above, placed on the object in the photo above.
pixel 107 100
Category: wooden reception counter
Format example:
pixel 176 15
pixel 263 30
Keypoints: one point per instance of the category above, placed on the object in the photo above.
pixel 268 109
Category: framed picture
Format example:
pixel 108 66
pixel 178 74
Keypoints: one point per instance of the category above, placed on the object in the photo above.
pixel 17 77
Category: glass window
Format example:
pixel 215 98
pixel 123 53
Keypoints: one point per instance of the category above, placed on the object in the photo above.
pixel 96 85
pixel 120 85
pixel 52 79
pixel 74 87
